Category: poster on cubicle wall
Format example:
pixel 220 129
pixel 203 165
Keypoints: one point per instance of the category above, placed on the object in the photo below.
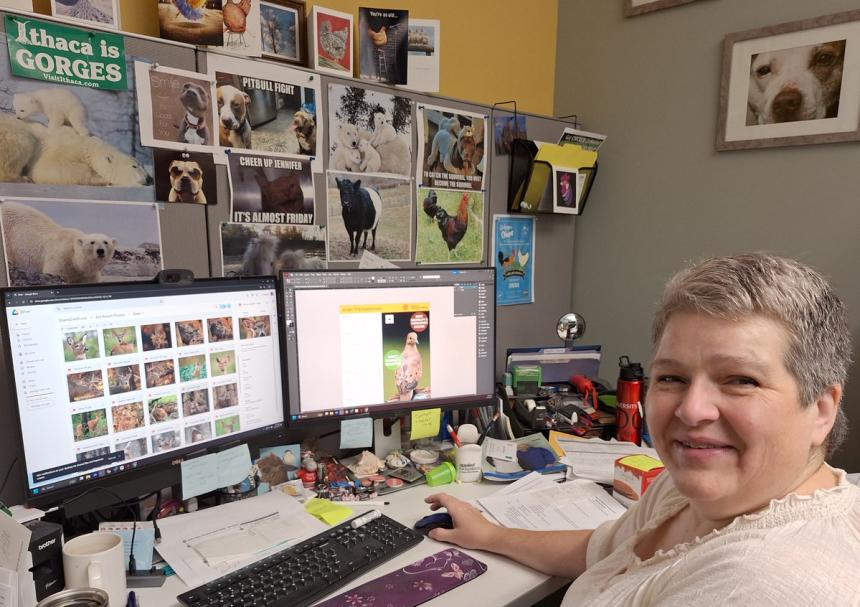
pixel 257 249
pixel 270 189
pixel 450 226
pixel 267 108
pixel 514 257
pixel 451 148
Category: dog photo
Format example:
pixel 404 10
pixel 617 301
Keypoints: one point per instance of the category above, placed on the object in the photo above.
pixel 65 242
pixel 281 32
pixel 89 424
pixel 175 108
pixel 270 189
pixel 383 45
pixel 266 108
pixel 371 132
pixel 88 12
pixel 80 345
pixel 185 177
pixel 198 433
pixel 332 39
pixel 367 212
pixel 453 149
pixel 450 226
pixel 256 249
pixel 791 84
pixel 198 22
pixel 505 130
pixel 63 141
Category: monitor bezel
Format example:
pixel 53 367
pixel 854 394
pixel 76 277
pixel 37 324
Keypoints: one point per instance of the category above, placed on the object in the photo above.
pixel 393 410
pixel 161 468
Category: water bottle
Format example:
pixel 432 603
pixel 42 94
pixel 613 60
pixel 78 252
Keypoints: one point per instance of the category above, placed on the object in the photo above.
pixel 628 416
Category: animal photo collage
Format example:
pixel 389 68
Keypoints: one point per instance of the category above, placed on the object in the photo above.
pixel 153 387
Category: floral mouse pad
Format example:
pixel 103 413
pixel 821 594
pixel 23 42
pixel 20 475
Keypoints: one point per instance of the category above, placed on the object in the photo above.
pixel 414 584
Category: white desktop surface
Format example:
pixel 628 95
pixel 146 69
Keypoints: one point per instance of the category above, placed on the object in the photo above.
pixel 504 583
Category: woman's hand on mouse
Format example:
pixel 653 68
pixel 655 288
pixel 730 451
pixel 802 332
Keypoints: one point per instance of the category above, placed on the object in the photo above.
pixel 471 529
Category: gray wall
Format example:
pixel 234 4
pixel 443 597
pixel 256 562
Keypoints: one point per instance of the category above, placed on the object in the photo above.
pixel 665 196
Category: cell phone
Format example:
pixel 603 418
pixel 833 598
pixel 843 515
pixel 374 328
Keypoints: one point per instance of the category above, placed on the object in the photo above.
pixel 408 474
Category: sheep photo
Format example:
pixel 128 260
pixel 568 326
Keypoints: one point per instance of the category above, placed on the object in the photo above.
pixel 367 212
pixel 371 132
pixel 450 226
pixel 257 249
pixel 64 141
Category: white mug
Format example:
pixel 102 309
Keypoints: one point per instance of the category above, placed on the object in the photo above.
pixel 469 463
pixel 96 560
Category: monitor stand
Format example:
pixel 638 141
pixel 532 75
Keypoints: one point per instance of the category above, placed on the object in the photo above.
pixel 386 436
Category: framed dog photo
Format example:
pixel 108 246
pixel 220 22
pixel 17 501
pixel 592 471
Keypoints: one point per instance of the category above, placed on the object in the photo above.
pixel 175 108
pixel 104 13
pixel 796 83
pixel 283 26
pixel 185 177
pixel 331 35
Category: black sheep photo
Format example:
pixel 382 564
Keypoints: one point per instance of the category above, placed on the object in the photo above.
pixel 450 226
pixel 368 213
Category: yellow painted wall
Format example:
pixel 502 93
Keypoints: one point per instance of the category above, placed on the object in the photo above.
pixel 492 50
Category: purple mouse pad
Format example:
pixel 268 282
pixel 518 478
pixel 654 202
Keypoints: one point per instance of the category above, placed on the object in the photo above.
pixel 414 584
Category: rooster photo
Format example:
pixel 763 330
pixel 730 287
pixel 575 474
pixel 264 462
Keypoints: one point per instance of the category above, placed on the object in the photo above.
pixel 267 108
pixel 383 44
pixel 270 189
pixel 368 213
pixel 450 226
pixel 64 141
pixel 453 149
pixel 242 27
pixel 371 132
pixel 255 249
pixel 406 354
pixel 196 22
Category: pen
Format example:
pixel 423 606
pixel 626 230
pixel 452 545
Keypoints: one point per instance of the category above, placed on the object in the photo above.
pixel 487 429
pixel 132 599
pixel 366 503
pixel 454 435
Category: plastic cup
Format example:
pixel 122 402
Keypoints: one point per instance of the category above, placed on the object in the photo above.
pixel 442 474
pixel 469 463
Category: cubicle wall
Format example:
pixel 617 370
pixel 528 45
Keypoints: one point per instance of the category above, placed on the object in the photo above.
pixel 187 230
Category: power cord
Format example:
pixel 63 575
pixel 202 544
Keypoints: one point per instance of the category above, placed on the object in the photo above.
pixel 8 474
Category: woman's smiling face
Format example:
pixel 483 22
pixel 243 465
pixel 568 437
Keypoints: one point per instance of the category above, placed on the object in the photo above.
pixel 725 413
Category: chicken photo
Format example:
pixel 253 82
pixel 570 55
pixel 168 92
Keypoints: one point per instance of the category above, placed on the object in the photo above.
pixel 410 371
pixel 453 228
pixel 235 20
pixel 431 204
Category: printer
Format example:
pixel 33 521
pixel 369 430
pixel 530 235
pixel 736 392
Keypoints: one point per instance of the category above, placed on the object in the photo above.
pixel 46 548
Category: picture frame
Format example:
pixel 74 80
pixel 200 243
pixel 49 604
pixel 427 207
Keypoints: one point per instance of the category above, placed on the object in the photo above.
pixel 277 19
pixel 331 36
pixel 640 7
pixel 769 97
pixel 101 13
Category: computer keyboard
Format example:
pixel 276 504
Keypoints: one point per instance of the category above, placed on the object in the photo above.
pixel 310 570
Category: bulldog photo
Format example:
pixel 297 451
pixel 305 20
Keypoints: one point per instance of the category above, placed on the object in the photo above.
pixel 185 177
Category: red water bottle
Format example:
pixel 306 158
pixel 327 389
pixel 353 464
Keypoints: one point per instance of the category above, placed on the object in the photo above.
pixel 628 416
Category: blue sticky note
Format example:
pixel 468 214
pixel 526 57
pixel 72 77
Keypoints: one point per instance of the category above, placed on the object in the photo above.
pixel 356 433
pixel 144 542
pixel 210 472
pixel 234 465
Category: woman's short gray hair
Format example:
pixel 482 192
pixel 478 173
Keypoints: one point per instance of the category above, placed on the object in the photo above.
pixel 785 290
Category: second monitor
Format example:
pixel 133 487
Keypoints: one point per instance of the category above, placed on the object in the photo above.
pixel 381 342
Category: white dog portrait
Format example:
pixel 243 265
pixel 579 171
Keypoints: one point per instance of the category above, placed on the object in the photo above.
pixel 793 84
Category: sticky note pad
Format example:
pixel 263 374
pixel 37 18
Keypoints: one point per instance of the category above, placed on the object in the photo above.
pixel 425 423
pixel 356 433
pixel 327 511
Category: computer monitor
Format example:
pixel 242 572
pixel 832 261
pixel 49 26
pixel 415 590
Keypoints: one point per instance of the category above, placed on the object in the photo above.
pixel 385 342
pixel 115 383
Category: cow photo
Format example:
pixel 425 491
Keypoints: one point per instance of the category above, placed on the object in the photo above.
pixel 368 213
pixel 257 249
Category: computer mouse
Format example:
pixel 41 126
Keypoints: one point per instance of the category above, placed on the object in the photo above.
pixel 432 521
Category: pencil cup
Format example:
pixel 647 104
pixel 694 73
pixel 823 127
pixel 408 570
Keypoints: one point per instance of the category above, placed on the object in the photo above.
pixel 442 474
pixel 469 463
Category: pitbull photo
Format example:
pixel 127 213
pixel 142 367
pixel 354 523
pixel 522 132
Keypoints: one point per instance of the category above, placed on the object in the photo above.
pixel 186 182
pixel 234 126
pixel 194 128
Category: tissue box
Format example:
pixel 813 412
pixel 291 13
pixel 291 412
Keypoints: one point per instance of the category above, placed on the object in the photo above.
pixel 633 474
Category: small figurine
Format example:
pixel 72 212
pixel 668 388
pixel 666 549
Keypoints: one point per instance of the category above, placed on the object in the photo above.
pixel 308 473
pixel 396 460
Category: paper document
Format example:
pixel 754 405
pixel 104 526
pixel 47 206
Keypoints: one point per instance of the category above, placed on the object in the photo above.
pixel 8 588
pixel 186 538
pixel 14 542
pixel 144 541
pixel 578 504
pixel 593 458
pixel 210 472
pixel 532 482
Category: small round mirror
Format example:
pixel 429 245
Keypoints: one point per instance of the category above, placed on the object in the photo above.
pixel 570 326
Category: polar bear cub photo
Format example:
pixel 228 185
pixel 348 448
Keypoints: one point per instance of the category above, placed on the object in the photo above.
pixel 59 105
pixel 36 243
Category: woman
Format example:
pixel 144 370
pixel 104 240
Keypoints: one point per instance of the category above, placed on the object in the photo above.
pixel 750 354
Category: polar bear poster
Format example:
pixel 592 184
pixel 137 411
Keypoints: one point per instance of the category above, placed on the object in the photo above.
pixel 64 242
pixel 75 142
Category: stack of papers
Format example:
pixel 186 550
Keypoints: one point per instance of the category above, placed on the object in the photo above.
pixel 16 581
pixel 592 458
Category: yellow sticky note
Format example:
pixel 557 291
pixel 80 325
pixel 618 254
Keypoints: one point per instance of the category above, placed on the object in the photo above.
pixel 425 423
pixel 327 511
pixel 642 462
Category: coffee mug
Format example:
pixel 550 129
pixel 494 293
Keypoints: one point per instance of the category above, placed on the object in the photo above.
pixel 96 560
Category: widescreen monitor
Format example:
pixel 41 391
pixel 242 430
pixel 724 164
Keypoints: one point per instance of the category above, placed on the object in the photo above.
pixel 111 380
pixel 385 342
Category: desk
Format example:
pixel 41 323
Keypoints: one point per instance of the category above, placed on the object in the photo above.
pixel 504 583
